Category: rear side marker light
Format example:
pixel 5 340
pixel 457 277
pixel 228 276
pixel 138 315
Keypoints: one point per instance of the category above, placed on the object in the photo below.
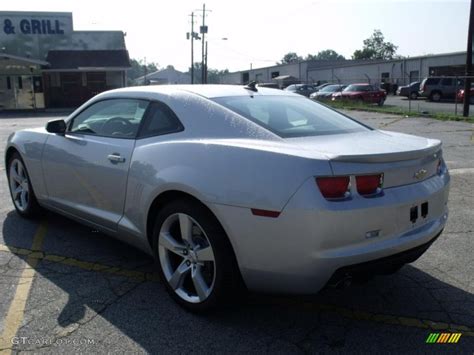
pixel 368 184
pixel 265 213
pixel 333 187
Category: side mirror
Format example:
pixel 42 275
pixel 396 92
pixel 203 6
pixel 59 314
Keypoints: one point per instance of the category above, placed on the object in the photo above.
pixel 56 126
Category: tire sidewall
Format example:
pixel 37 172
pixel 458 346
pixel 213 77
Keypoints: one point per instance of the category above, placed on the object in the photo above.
pixel 219 244
pixel 32 208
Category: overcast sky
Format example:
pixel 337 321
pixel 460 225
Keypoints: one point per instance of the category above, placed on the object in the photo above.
pixel 262 31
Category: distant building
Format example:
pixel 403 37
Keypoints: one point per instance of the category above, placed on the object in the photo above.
pixel 45 63
pixel 397 71
pixel 164 77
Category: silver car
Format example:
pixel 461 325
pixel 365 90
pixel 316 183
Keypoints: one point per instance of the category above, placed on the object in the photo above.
pixel 232 187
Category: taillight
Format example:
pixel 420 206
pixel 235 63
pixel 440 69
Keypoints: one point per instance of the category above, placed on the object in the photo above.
pixel 368 184
pixel 333 187
pixel 439 168
pixel 423 88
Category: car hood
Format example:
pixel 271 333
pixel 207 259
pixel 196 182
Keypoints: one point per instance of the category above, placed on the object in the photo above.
pixel 374 146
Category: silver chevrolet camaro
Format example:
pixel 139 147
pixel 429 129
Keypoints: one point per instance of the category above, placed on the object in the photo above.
pixel 236 186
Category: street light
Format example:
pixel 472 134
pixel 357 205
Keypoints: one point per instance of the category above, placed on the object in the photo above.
pixel 205 57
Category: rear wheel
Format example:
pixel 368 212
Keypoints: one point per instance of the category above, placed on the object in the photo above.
pixel 414 95
pixel 21 191
pixel 435 96
pixel 196 261
pixel 381 102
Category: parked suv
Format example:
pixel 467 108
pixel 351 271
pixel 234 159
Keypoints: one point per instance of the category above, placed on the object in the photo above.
pixel 438 88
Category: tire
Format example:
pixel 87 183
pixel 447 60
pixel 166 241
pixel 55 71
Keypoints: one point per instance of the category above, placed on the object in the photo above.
pixel 413 95
pixel 381 102
pixel 435 96
pixel 21 191
pixel 215 270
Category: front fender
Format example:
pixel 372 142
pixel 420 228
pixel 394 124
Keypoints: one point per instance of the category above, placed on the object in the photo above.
pixel 30 143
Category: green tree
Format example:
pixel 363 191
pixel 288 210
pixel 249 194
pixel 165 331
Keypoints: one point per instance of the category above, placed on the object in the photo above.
pixel 139 69
pixel 327 54
pixel 213 75
pixel 290 57
pixel 375 47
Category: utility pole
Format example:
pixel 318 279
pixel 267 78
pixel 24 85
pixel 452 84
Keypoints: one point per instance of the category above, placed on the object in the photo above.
pixel 205 65
pixel 144 77
pixel 192 47
pixel 467 81
pixel 203 30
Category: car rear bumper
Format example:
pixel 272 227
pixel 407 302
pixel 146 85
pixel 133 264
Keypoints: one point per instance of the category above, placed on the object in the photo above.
pixel 301 250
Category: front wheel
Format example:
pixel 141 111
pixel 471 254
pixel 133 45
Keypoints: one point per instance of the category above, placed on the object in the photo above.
pixel 414 95
pixel 21 190
pixel 196 261
pixel 381 102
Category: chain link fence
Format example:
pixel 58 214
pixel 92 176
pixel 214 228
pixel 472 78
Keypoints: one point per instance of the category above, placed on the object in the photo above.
pixel 432 96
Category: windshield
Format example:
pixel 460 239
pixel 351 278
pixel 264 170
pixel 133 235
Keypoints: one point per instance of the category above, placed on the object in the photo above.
pixel 330 88
pixel 289 116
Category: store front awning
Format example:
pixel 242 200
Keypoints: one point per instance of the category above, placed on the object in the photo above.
pixel 12 64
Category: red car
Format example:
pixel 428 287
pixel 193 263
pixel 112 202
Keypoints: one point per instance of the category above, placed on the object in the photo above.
pixel 363 93
pixel 460 96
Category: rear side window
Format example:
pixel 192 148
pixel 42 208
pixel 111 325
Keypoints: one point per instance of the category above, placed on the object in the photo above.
pixel 447 81
pixel 432 81
pixel 160 119
pixel 289 116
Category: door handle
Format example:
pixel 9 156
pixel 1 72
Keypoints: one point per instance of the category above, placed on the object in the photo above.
pixel 116 158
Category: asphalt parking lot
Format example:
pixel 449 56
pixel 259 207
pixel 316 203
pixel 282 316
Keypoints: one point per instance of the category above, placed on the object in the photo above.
pixel 66 288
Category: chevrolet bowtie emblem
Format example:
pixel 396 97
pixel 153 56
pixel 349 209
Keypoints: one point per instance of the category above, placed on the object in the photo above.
pixel 420 174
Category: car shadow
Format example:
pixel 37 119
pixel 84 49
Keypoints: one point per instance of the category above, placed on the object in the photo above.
pixel 141 312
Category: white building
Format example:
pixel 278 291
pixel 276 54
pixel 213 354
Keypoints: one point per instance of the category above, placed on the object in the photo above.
pixel 397 71
pixel 164 77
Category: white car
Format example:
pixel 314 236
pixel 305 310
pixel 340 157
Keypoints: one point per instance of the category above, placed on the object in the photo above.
pixel 230 186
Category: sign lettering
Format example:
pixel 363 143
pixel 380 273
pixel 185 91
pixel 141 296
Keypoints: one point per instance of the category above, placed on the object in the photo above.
pixel 34 27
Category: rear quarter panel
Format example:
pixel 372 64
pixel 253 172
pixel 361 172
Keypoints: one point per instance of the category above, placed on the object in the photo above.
pixel 215 172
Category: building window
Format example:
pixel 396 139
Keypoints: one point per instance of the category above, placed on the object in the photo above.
pixel 9 83
pixel 275 74
pixel 385 77
pixel 245 78
pixel 20 82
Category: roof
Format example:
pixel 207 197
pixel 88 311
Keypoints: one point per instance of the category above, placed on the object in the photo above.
pixel 6 56
pixel 286 77
pixel 208 91
pixel 77 59
pixel 162 73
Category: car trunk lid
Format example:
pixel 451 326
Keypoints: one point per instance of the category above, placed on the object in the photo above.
pixel 402 158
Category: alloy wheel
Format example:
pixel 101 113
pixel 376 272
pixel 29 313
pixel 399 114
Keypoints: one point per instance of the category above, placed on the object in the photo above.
pixel 19 185
pixel 187 258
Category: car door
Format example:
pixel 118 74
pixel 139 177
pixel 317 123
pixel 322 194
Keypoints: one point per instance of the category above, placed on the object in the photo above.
pixel 86 169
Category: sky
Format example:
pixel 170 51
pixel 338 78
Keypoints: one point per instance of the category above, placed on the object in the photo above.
pixel 260 32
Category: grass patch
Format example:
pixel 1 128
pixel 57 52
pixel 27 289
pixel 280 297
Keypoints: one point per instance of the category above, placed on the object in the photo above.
pixel 395 110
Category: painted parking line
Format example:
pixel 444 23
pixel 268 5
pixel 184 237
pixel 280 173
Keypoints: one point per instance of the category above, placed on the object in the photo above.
pixel 16 311
pixel 135 275
pixel 353 314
